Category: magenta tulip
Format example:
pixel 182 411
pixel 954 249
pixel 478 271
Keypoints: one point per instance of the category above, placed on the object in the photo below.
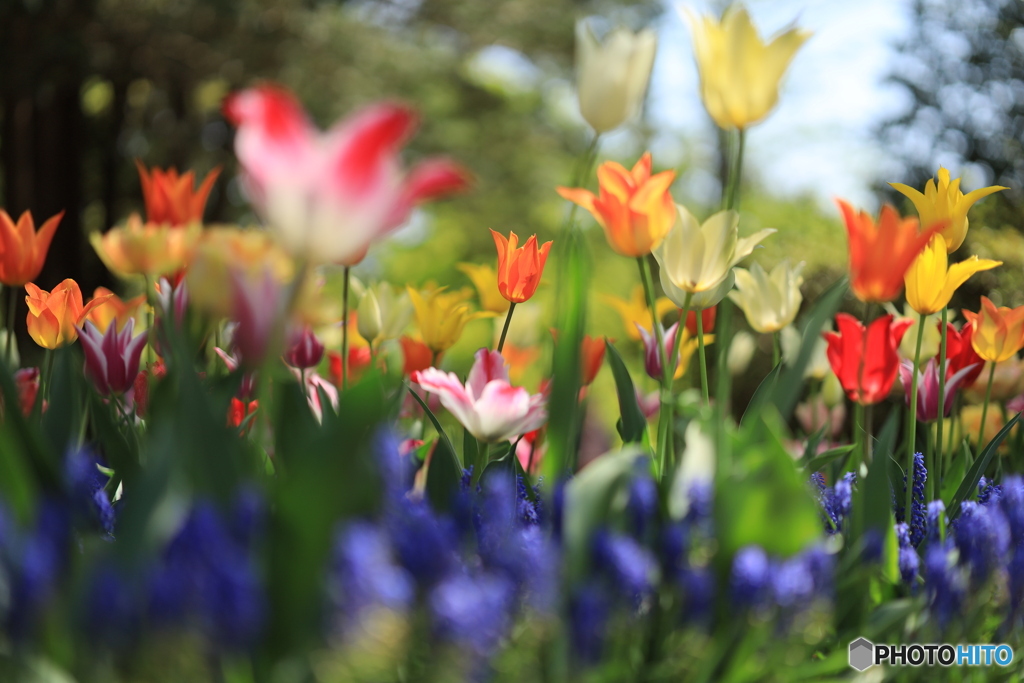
pixel 111 358
pixel 928 389
pixel 304 349
pixel 652 358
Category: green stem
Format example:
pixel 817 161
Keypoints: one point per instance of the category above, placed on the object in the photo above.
pixel 930 464
pixel 665 413
pixel 504 330
pixel 776 349
pixel 936 458
pixel 12 304
pixel 344 329
pixel 703 359
pixel 47 373
pixel 984 409
pixel 587 162
pixel 858 433
pixel 912 432
pixel 732 195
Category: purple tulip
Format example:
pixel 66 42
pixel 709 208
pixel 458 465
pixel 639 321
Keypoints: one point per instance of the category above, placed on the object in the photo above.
pixel 928 388
pixel 652 358
pixel 111 358
pixel 257 307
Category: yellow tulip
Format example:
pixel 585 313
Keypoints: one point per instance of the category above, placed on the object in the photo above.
pixel 442 315
pixel 697 258
pixel 931 281
pixel 612 77
pixel 634 311
pixel 998 332
pixel 486 282
pixel 943 202
pixel 770 301
pixel 739 73
pixel 688 345
pixel 138 248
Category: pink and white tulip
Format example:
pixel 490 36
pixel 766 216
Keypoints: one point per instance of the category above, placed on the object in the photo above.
pixel 111 358
pixel 928 388
pixel 257 308
pixel 304 350
pixel 314 383
pixel 488 406
pixel 330 195
pixel 652 357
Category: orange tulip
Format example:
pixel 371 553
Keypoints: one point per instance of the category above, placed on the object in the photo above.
pixel 113 308
pixel 54 316
pixel 519 269
pixel 171 199
pixel 519 359
pixel 138 248
pixel 416 355
pixel 22 249
pixel 998 332
pixel 881 254
pixel 591 355
pixel 634 208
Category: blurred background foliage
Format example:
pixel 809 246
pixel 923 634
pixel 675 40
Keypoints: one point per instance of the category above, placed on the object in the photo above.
pixel 87 86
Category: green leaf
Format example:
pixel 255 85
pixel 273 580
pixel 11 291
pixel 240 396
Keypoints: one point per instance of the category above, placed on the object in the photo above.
pixel 633 424
pixel 442 435
pixel 974 474
pixel 952 478
pixel 763 393
pixel 788 389
pixel 443 475
pixel 471 453
pixel 62 421
pixel 819 461
pixel 588 499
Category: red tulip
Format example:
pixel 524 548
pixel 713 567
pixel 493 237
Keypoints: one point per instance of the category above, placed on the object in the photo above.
pixel 961 354
pixel 865 360
pixel 707 315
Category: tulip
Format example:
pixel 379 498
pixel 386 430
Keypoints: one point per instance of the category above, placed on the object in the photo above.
pixel 770 302
pixel 976 421
pixel 960 352
pixel 636 313
pixel 530 451
pixel 304 349
pixel 171 198
pixel 328 196
pixel 519 359
pixel 741 352
pixel 173 300
pixel 519 268
pixel 140 389
pixel 53 317
pixel 488 406
pixel 611 78
pixel 791 340
pixel 395 310
pixel 248 386
pixel 634 208
pixel 415 354
pixel 22 249
pixel 442 316
pixel 368 320
pixel 816 413
pixel 591 357
pixel 257 310
pixel 881 254
pixel 1007 381
pixel 928 389
pixel 138 248
pixel 359 359
pixel 998 332
pixel 697 259
pixel 944 203
pixel 113 309
pixel 314 385
pixel 865 360
pixel 26 381
pixel 739 73
pixel 931 282
pixel 687 347
pixel 931 336
pixel 485 280
pixel 239 411
pixel 707 318
pixel 111 357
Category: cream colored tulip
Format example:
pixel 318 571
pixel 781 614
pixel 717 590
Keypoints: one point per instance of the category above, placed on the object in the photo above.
pixel 932 333
pixel 770 301
pixel 818 367
pixel 612 77
pixel 394 306
pixel 368 321
pixel 741 352
pixel 698 258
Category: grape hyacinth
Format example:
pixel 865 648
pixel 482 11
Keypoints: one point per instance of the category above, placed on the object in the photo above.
pixel 918 522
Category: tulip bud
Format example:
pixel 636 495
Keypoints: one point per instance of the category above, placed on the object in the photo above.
pixel 832 390
pixel 611 78
pixel 369 320
pixel 741 351
pixel 305 350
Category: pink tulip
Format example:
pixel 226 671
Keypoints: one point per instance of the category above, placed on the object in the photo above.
pixel 488 406
pixel 314 383
pixel 928 388
pixel 111 358
pixel 248 387
pixel 304 349
pixel 652 358
pixel 330 195
pixel 256 308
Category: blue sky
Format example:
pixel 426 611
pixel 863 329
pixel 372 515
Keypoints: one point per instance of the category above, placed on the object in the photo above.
pixel 818 140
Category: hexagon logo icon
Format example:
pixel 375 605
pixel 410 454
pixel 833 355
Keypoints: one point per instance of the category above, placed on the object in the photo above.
pixel 862 654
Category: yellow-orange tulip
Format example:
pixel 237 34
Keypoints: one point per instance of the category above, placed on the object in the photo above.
pixel 634 208
pixel 138 248
pixel 634 311
pixel 943 202
pixel 53 316
pixel 931 281
pixel 881 254
pixel 519 268
pixel 22 249
pixel 739 73
pixel 998 332
pixel 486 282
pixel 112 308
pixel 441 316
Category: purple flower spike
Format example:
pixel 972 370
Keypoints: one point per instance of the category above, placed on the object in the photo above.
pixel 111 358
